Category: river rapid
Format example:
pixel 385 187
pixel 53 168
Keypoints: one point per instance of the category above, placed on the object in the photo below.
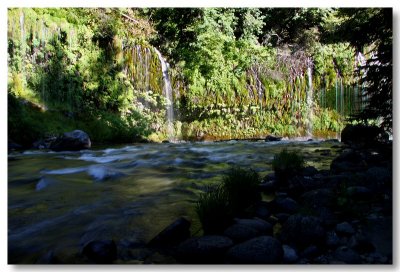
pixel 59 201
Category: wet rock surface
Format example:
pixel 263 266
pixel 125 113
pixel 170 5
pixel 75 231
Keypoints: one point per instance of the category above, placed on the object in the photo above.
pixel 261 250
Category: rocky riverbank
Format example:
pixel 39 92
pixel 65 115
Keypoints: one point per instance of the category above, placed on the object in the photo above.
pixel 338 216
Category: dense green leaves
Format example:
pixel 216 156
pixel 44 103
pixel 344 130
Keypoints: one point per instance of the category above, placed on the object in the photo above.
pixel 235 72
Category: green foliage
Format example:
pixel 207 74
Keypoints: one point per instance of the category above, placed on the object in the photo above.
pixel 287 164
pixel 213 210
pixel 242 189
pixel 237 192
pixel 372 29
pixel 236 72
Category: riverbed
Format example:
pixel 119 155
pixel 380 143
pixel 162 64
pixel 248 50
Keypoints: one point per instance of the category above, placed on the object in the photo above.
pixel 59 201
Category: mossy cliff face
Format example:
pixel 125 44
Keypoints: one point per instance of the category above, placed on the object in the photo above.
pixel 98 68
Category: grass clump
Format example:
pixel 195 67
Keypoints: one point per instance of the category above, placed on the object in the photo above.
pixel 241 186
pixel 213 210
pixel 232 197
pixel 287 164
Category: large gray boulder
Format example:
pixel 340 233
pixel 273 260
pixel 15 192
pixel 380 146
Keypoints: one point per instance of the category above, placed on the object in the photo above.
pixel 246 229
pixel 71 141
pixel 260 250
pixel 206 249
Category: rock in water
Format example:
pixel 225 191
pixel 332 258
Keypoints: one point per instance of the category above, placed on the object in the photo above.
pixel 271 138
pixel 71 141
pixel 101 252
pixel 100 172
pixel 260 250
pixel 204 250
pixel 175 233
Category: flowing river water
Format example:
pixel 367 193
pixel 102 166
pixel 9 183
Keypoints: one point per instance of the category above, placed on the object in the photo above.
pixel 59 201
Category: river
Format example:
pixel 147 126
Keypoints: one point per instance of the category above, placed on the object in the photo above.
pixel 59 201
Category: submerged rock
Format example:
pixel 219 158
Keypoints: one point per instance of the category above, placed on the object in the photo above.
pixel 260 250
pixel 173 234
pixel 101 252
pixel 71 141
pixel 43 183
pixel 100 173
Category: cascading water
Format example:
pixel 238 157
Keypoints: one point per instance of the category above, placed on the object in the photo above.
pixel 309 99
pixel 168 95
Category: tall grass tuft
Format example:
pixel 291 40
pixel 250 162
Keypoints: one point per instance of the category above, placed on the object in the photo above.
pixel 213 210
pixel 241 186
pixel 286 165
pixel 217 206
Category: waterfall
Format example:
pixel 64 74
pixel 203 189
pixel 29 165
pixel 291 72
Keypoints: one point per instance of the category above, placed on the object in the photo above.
pixel 309 99
pixel 21 22
pixel 168 95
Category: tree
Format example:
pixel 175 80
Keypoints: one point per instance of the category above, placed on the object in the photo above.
pixel 373 27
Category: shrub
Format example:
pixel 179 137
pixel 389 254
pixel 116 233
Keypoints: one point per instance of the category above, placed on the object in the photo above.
pixel 241 187
pixel 287 164
pixel 213 210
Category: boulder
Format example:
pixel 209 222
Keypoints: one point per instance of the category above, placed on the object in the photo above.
pixel 271 138
pixel 332 239
pixel 302 231
pixel 347 255
pixel 310 252
pixel 240 233
pixel 245 229
pixel 297 185
pixel 319 198
pixel 360 193
pixel 289 255
pixel 378 177
pixel 348 161
pixel 363 135
pixel 262 210
pixel 360 243
pixel 286 205
pixel 44 143
pixel 101 251
pixel 173 234
pixel 206 249
pixel 71 141
pixel 260 250
pixel 256 223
